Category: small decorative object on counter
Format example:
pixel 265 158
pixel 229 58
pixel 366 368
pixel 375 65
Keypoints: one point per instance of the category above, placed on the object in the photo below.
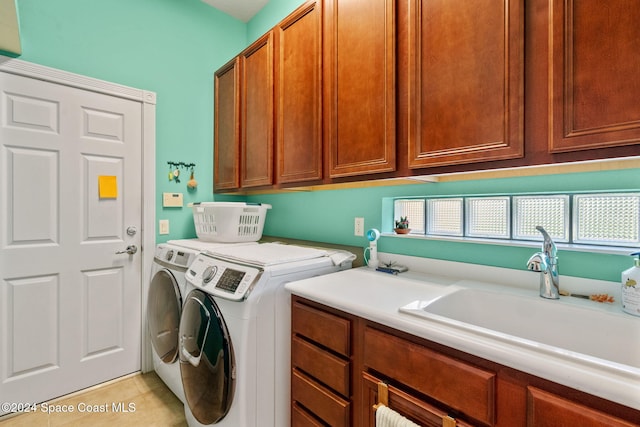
pixel 392 268
pixel 402 226
pixel 631 287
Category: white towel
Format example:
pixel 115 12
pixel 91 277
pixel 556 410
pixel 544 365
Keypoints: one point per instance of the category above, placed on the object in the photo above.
pixel 387 417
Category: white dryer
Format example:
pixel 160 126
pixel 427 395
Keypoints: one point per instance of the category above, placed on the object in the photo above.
pixel 235 332
pixel 164 300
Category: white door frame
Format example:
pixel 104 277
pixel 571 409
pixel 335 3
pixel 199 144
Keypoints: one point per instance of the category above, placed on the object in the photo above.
pixel 148 101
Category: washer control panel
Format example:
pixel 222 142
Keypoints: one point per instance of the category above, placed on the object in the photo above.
pixel 222 278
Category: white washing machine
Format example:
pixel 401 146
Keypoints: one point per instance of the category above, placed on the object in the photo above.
pixel 165 297
pixel 235 332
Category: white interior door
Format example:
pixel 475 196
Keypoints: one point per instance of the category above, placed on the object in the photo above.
pixel 70 188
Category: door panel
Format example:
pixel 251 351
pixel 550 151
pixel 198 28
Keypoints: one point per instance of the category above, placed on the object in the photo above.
pixel 41 295
pixel 103 311
pixel 40 169
pixel 69 305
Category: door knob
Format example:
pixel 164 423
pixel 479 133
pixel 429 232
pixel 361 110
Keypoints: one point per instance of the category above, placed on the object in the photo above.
pixel 131 249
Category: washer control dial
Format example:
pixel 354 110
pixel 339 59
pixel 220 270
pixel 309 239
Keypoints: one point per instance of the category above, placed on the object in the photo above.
pixel 209 273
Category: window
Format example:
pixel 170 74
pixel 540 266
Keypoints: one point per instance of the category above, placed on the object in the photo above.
pixel 413 209
pixel 445 216
pixel 607 219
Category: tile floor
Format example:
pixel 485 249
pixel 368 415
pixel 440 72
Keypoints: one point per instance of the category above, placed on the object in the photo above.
pixel 155 405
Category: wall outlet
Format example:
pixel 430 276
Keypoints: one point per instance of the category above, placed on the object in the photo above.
pixel 358 228
pixel 163 226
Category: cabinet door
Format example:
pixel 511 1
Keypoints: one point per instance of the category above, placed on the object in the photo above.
pixel 299 95
pixel 545 409
pixel 594 87
pixel 360 90
pixel 465 88
pixel 257 113
pixel 227 127
pixel 405 404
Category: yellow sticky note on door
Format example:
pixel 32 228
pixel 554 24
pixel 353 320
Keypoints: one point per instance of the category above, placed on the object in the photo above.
pixel 107 187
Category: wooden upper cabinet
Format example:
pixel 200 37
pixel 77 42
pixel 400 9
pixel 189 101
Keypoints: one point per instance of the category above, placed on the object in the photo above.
pixel 360 89
pixel 256 90
pixel 595 85
pixel 465 70
pixel 227 127
pixel 298 41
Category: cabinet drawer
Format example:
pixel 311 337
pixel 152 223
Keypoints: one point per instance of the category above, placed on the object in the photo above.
pixel 328 406
pixel 456 384
pixel 301 418
pixel 324 328
pixel 322 365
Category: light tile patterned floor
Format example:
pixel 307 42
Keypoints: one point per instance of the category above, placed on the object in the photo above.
pixel 155 405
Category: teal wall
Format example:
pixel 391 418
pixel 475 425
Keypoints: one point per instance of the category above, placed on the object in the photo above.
pixel 173 47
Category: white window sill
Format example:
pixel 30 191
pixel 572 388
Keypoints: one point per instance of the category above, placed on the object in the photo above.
pixel 614 250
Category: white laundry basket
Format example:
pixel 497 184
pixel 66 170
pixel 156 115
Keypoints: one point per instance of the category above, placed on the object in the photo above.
pixel 229 222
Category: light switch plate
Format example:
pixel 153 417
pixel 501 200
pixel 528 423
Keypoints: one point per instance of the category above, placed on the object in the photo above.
pixel 163 226
pixel 172 200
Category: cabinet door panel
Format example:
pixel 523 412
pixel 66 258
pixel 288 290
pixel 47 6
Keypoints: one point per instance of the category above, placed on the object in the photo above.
pixel 405 404
pixel 456 384
pixel 299 95
pixel 545 409
pixel 227 127
pixel 359 78
pixel 466 66
pixel 595 62
pixel 257 117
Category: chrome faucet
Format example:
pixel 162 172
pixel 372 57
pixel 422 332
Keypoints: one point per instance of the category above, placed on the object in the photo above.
pixel 546 262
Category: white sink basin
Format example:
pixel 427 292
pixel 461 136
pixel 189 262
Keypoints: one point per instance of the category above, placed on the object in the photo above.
pixel 550 325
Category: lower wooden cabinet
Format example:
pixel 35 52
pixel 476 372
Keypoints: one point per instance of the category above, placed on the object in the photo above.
pixel 343 365
pixel 410 406
pixel 546 409
pixel 457 385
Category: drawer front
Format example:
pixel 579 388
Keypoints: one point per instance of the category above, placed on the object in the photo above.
pixel 324 328
pixel 301 418
pixel 327 368
pixel 456 384
pixel 319 400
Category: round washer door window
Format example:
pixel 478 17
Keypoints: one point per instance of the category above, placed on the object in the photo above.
pixel 164 307
pixel 207 362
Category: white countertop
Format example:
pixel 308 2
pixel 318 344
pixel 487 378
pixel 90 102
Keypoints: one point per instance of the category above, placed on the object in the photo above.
pixel 378 296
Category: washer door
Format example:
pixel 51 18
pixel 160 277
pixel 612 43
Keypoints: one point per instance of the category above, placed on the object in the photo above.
pixel 164 307
pixel 207 362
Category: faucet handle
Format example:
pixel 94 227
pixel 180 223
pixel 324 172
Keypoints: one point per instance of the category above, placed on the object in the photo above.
pixel 537 262
pixel 548 246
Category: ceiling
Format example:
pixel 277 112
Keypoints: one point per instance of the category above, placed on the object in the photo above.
pixel 243 10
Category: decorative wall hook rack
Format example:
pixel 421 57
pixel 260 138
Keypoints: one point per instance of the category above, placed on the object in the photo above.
pixel 174 171
pixel 181 165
